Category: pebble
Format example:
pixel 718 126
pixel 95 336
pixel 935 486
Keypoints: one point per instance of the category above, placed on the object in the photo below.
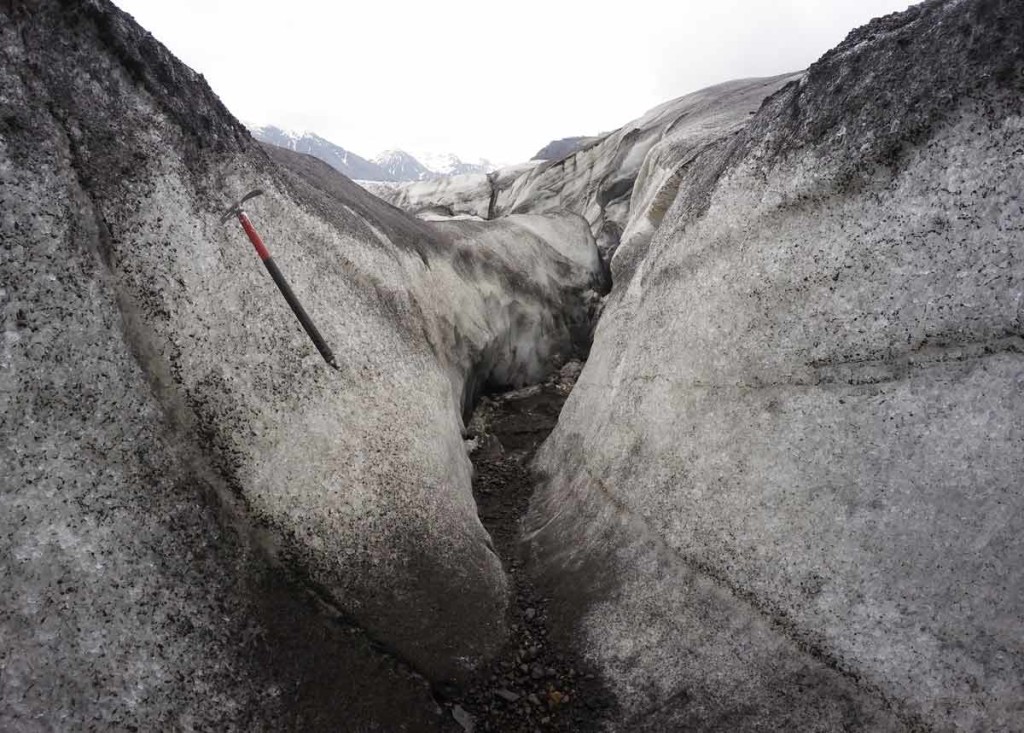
pixel 464 719
pixel 521 691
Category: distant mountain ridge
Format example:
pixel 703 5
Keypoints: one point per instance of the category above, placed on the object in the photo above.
pixel 447 164
pixel 394 166
pixel 401 166
pixel 344 161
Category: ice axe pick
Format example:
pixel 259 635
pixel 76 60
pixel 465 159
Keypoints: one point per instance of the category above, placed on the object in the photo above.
pixel 236 210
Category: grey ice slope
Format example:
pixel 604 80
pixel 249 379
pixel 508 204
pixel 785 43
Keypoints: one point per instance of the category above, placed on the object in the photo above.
pixel 786 491
pixel 205 527
pixel 598 182
pixel 566 146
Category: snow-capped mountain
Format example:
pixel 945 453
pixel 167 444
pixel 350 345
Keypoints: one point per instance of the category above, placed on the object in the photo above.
pixel 402 166
pixel 345 161
pixel 389 166
pixel 421 166
pixel 447 164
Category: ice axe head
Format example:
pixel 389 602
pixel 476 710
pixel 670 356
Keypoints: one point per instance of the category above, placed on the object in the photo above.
pixel 236 208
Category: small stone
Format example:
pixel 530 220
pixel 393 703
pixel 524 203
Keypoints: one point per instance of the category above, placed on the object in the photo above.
pixel 551 672
pixel 506 695
pixel 464 719
pixel 534 700
pixel 530 613
pixel 570 372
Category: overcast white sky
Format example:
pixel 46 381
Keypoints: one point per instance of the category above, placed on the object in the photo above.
pixel 483 79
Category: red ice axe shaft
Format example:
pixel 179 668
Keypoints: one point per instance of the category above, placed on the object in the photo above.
pixel 282 284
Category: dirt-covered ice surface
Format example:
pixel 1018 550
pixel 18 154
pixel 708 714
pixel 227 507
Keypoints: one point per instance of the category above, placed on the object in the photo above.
pixel 538 682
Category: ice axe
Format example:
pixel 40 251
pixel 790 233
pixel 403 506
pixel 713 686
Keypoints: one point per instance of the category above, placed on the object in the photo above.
pixel 261 249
